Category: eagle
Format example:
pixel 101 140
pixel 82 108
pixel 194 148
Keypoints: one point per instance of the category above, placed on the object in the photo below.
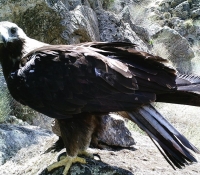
pixel 78 84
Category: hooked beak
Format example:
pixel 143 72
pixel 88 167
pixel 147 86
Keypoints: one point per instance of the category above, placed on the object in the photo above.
pixel 4 37
pixel 4 41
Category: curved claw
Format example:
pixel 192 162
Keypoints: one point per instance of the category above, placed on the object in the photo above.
pixel 67 162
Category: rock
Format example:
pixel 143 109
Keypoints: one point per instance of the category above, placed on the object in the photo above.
pixel 97 4
pixel 115 132
pixel 5 109
pixel 79 20
pixel 93 167
pixel 176 22
pixel 81 25
pixel 179 50
pixel 15 121
pixel 195 2
pixel 42 121
pixel 35 18
pixel 165 5
pixel 195 13
pixel 20 112
pixel 146 159
pixel 52 25
pixel 117 6
pixel 180 15
pixel 174 3
pixel 25 146
pixel 182 10
pixel 69 4
pixel 167 15
pixel 13 138
pixel 141 32
pixel 111 28
pixel 32 160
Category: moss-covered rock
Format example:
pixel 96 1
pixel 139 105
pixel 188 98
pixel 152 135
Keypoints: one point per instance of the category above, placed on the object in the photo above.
pixel 41 23
pixel 35 18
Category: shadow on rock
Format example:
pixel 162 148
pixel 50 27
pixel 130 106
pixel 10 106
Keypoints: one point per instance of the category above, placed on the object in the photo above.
pixel 93 167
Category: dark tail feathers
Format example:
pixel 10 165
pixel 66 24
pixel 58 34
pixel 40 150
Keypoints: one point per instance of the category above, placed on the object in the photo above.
pixel 172 145
pixel 189 83
pixel 188 91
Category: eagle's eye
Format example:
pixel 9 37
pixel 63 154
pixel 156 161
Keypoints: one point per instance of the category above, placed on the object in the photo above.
pixel 13 30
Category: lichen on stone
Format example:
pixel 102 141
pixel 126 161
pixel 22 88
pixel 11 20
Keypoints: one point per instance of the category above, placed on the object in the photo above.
pixel 43 26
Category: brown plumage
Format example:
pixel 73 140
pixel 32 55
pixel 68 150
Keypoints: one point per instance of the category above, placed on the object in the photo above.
pixel 77 84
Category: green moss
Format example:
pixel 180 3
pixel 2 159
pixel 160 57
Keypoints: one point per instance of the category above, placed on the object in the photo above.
pixel 188 23
pixel 4 104
pixel 41 23
pixel 22 112
pixel 107 3
pixel 167 15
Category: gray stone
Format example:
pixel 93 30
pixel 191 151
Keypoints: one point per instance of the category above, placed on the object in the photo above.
pixel 186 28
pixel 13 138
pixel 111 29
pixel 115 132
pixel 165 6
pixel 174 3
pixel 10 8
pixel 97 4
pixel 42 121
pixel 179 50
pixel 33 160
pixel 195 13
pixel 117 6
pixel 93 167
pixel 182 10
pixel 79 20
pixel 180 15
pixel 15 121
pixel 167 15
pixel 36 18
pixel 81 25
pixel 64 22
pixel 141 32
pixel 176 21
pixel 29 116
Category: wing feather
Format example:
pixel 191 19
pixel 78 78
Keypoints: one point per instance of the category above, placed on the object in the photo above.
pixel 98 77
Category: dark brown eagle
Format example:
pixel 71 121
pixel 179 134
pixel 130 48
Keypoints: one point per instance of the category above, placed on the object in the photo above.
pixel 77 84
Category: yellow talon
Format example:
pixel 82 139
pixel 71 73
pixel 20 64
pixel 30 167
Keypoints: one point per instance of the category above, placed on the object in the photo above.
pixel 67 162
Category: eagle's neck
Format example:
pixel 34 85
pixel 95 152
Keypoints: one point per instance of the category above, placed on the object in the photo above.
pixel 30 45
pixel 12 55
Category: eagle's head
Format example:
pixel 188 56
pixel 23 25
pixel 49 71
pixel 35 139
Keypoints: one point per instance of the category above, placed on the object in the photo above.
pixel 14 42
pixel 10 33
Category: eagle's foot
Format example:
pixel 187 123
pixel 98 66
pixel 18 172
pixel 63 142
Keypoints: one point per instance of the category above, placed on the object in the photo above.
pixel 67 162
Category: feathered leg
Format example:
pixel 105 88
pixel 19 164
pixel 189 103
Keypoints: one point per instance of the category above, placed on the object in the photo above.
pixel 76 133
